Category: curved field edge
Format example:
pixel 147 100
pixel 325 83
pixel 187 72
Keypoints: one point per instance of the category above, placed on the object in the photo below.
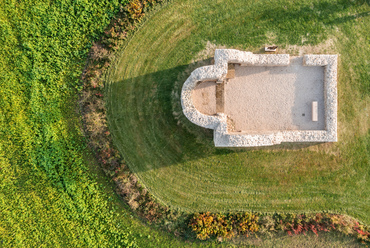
pixel 51 192
pixel 191 176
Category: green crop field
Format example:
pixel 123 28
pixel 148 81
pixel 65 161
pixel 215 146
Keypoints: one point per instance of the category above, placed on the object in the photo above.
pixel 186 172
pixel 52 192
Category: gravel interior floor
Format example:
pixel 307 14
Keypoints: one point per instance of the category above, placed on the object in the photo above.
pixel 274 98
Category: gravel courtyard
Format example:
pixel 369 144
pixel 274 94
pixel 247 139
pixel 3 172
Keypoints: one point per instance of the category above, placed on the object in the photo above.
pixel 268 98
pixel 274 98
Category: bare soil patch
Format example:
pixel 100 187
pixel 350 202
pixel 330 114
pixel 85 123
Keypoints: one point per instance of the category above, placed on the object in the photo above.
pixel 204 97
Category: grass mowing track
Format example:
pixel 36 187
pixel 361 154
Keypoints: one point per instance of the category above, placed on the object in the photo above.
pixel 194 176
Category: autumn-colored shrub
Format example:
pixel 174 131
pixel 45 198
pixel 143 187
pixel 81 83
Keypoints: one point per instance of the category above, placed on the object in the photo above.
pixel 247 223
pixel 203 225
pixel 135 9
pixel 126 21
pixel 208 225
pixel 362 233
pixel 136 196
pixel 266 224
pixel 99 52
pixel 349 226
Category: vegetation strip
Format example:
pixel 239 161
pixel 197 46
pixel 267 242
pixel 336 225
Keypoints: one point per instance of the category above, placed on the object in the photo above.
pixel 94 112
pixel 207 225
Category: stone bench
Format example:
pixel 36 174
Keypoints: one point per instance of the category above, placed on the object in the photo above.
pixel 314 111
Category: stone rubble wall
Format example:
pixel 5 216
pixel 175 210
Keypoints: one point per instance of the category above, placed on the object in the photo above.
pixel 218 71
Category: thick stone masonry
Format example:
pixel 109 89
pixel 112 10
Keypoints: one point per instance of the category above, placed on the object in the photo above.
pixel 218 71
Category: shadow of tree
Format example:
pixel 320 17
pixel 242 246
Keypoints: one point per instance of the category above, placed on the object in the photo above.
pixel 345 19
pixel 296 22
pixel 285 22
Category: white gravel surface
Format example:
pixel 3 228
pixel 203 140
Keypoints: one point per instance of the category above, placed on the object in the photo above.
pixel 271 98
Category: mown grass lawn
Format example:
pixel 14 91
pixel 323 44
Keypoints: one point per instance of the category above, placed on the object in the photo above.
pixel 186 172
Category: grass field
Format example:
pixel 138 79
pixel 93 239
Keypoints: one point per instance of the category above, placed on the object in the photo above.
pixel 51 192
pixel 188 173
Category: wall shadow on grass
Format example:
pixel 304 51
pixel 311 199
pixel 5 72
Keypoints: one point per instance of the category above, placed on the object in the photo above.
pixel 152 132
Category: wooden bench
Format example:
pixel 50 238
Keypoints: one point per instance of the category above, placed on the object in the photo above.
pixel 314 111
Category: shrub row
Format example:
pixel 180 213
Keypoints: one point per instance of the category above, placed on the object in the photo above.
pixel 126 21
pixel 208 225
pixel 100 56
pixel 137 196
pixel 94 112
